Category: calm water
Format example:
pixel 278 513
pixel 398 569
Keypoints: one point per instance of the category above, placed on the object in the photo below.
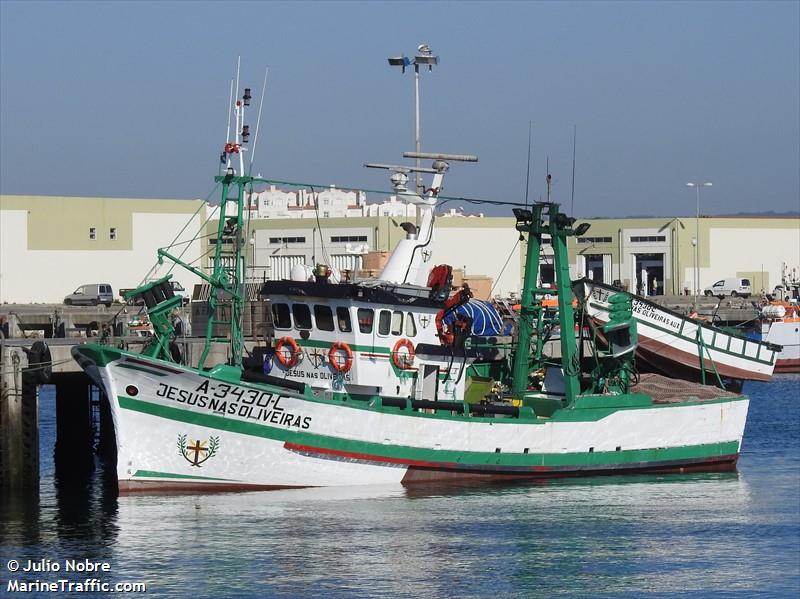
pixel 734 534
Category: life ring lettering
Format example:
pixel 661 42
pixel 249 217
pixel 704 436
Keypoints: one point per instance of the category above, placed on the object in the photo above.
pixel 403 359
pixel 341 357
pixel 287 351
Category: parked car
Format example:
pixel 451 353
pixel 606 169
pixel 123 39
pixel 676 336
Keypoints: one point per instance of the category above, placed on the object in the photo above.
pixel 733 287
pixel 91 295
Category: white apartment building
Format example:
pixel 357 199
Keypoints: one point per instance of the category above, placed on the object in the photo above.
pixel 329 202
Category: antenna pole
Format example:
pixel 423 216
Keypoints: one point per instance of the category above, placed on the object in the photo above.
pixel 574 138
pixel 258 121
pixel 528 173
pixel 230 108
pixel 416 122
pixel 239 117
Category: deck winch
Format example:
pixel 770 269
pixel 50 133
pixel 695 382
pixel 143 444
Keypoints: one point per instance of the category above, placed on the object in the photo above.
pixel 160 301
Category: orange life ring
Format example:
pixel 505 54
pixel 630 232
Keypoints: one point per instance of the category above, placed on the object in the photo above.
pixel 403 362
pixel 287 359
pixel 339 364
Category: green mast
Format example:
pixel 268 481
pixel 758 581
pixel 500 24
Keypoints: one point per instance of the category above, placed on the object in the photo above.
pixel 226 272
pixel 545 217
pixel 227 269
pixel 560 228
pixel 530 307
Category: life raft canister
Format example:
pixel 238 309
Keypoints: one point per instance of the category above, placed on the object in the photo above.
pixel 287 351
pixel 404 360
pixel 341 363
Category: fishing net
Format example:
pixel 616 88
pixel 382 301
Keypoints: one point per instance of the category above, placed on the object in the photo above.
pixel 666 390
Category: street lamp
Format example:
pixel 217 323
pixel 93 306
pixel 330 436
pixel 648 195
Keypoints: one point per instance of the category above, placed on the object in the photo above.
pixel 424 56
pixel 696 242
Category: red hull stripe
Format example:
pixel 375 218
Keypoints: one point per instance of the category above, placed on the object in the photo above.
pixel 365 457
pixel 155 487
pixel 524 470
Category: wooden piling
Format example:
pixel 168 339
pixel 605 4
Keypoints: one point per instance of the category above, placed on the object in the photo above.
pixel 19 423
pixel 74 451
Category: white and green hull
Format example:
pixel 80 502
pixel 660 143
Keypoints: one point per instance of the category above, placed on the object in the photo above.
pixel 177 428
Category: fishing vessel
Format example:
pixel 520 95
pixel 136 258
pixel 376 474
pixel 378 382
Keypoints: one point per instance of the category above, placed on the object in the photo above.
pixel 780 325
pixel 684 347
pixel 371 382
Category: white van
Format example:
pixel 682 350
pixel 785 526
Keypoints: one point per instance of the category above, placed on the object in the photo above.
pixel 732 287
pixel 91 295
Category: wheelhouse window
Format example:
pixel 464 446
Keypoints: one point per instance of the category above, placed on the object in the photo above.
pixel 323 316
pixel 302 316
pixel 281 317
pixel 397 323
pixel 411 326
pixel 365 318
pixel 343 317
pixel 384 322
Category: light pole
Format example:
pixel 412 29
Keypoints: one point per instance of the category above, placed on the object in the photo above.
pixel 424 56
pixel 697 187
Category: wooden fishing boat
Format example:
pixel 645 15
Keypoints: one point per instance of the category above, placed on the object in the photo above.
pixel 368 383
pixel 680 346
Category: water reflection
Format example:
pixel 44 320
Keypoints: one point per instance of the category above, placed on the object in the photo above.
pixel 390 541
pixel 608 536
pixel 86 502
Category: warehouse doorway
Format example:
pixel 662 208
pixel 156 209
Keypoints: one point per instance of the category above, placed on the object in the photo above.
pixel 649 274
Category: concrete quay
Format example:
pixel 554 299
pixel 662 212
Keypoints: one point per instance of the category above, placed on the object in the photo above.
pixel 58 320
pixel 727 311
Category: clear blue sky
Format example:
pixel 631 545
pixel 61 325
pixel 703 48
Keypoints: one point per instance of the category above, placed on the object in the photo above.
pixel 129 99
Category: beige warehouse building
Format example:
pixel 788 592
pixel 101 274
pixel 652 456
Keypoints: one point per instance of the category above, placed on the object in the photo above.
pixel 51 245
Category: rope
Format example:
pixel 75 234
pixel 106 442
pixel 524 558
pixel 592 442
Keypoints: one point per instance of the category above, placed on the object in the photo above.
pixel 502 270
pixel 42 366
pixel 175 239
pixel 315 197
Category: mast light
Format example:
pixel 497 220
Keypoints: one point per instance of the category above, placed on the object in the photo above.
pixel 582 228
pixel 400 61
pixel 523 215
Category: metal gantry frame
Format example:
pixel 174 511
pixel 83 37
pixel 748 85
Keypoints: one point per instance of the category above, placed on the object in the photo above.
pixel 545 218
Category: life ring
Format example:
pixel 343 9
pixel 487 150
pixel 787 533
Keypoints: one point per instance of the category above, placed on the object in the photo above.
pixel 334 357
pixel 287 359
pixel 403 362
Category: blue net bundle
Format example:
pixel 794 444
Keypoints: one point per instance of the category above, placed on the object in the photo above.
pixel 486 322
